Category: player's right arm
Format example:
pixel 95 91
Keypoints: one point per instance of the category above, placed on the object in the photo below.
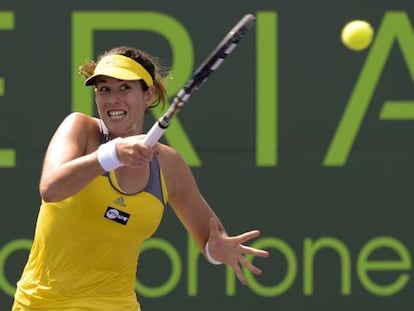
pixel 70 162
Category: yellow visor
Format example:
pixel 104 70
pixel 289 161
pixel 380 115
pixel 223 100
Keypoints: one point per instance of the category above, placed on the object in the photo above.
pixel 120 67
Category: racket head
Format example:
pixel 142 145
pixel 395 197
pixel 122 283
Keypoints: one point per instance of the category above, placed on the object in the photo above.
pixel 217 56
pixel 200 75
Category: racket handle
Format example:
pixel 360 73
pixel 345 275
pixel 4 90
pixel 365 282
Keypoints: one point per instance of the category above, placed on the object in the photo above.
pixel 154 134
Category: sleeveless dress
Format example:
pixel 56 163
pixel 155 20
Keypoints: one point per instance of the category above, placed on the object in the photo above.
pixel 85 250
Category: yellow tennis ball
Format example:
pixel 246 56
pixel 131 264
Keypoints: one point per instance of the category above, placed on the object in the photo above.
pixel 357 35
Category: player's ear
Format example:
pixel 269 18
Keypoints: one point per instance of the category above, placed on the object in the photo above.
pixel 150 96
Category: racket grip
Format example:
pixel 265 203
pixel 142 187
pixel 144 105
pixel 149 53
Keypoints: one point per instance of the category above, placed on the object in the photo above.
pixel 154 134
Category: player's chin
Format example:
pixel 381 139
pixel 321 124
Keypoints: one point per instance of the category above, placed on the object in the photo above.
pixel 117 122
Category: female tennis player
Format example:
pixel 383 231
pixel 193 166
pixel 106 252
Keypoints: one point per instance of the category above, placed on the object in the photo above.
pixel 104 191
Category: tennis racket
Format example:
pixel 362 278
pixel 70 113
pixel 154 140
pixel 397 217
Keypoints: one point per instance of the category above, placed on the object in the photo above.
pixel 210 64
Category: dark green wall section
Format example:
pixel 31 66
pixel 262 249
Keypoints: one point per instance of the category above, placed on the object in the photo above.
pixel 295 135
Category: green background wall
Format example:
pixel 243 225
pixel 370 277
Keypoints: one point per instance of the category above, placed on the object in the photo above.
pixel 295 135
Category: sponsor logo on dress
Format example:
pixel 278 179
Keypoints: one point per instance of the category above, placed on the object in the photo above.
pixel 116 215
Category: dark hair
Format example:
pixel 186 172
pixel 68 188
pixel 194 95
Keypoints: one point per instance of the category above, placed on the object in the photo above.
pixel 152 64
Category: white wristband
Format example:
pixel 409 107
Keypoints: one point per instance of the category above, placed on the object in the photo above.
pixel 107 156
pixel 210 258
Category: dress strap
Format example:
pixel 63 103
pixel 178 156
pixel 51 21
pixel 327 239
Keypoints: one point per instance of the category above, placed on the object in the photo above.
pixel 104 133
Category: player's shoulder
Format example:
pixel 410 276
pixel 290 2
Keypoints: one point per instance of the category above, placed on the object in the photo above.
pixel 167 152
pixel 176 171
pixel 79 117
pixel 169 156
pixel 80 120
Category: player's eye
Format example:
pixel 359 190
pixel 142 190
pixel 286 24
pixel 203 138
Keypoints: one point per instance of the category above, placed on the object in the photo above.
pixel 103 89
pixel 125 87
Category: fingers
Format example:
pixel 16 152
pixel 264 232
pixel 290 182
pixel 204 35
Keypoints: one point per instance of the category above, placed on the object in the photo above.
pixel 143 154
pixel 255 251
pixel 248 236
pixel 233 251
pixel 247 250
pixel 133 153
pixel 247 264
pixel 239 274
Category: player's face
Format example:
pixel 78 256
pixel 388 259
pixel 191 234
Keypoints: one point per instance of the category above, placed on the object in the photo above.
pixel 121 105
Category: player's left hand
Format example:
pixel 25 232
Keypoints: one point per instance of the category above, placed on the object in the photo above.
pixel 231 251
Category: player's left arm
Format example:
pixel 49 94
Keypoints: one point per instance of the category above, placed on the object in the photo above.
pixel 185 197
pixel 201 221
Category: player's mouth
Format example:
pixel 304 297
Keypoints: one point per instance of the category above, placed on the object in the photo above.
pixel 116 114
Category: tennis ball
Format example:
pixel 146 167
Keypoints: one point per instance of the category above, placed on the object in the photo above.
pixel 357 35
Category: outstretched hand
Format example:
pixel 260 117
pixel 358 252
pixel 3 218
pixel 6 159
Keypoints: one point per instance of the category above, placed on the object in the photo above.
pixel 230 250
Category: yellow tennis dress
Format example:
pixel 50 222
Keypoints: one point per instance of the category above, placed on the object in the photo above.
pixel 86 247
